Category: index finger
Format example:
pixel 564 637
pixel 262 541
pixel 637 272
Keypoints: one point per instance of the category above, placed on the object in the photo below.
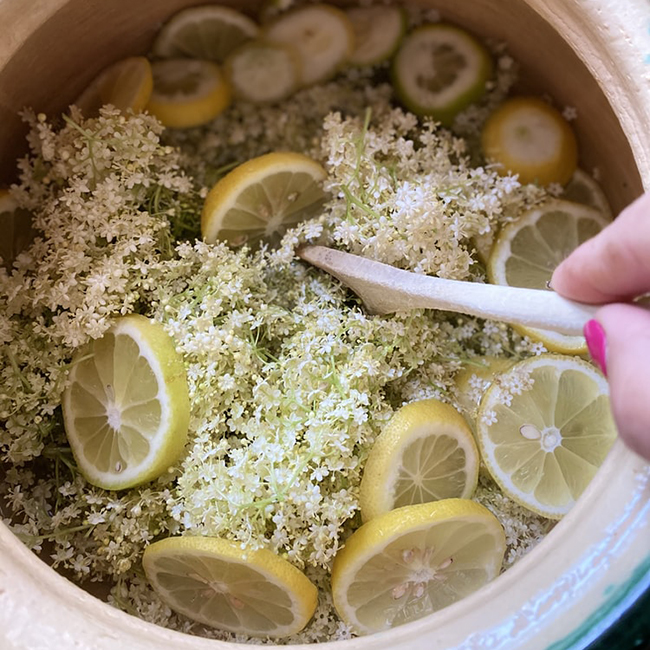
pixel 614 265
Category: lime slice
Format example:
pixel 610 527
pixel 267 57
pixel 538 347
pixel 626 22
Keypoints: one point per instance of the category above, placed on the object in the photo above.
pixel 263 72
pixel 425 453
pixel 16 228
pixel 126 407
pixel 413 561
pixel 378 32
pixel 583 188
pixel 527 137
pixel 474 379
pixel 209 32
pixel 215 582
pixel 127 85
pixel 262 197
pixel 188 92
pixel 440 70
pixel 321 34
pixel 544 429
pixel 527 251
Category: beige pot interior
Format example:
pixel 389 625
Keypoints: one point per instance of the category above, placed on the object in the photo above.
pixel 49 53
pixel 81 37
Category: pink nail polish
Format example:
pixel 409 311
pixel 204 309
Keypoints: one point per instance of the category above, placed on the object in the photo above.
pixel 597 344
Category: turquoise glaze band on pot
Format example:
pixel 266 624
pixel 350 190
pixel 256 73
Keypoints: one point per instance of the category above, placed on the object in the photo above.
pixel 592 570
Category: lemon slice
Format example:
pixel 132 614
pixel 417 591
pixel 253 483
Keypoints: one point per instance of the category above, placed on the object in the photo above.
pixel 16 228
pixel 263 72
pixel 425 453
pixel 544 429
pixel 583 188
pixel 378 32
pixel 527 137
pixel 527 251
pixel 322 35
pixel 215 582
pixel 413 561
pixel 188 92
pixel 209 32
pixel 262 197
pixel 440 70
pixel 127 85
pixel 126 407
pixel 474 379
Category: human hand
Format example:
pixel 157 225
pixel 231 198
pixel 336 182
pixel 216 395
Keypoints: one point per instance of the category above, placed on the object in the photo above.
pixel 611 269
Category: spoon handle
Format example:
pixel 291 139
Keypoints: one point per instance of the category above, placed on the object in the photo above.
pixel 385 289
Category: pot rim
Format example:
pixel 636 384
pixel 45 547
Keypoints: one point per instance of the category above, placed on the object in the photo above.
pixel 596 579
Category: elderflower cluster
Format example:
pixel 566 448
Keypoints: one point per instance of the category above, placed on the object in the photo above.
pixel 290 378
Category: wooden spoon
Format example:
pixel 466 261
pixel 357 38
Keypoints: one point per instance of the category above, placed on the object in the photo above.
pixel 385 289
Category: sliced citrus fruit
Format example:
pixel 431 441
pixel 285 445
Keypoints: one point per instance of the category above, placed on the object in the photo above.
pixel 474 379
pixel 16 228
pixel 262 197
pixel 188 92
pixel 439 70
pixel 544 428
pixel 263 72
pixel 216 582
pixel 378 32
pixel 527 251
pixel 321 34
pixel 209 32
pixel 425 453
pixel 528 137
pixel 583 188
pixel 126 407
pixel 127 85
pixel 413 561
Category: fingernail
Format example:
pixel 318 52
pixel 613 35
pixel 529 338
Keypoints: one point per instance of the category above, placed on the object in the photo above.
pixel 597 344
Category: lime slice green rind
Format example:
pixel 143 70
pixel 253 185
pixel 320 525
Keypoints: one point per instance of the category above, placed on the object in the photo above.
pixel 461 65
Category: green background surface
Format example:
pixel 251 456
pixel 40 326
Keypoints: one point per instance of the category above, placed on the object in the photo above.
pixel 625 627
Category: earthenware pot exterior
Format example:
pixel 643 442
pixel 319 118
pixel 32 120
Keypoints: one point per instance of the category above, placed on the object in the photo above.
pixel 593 54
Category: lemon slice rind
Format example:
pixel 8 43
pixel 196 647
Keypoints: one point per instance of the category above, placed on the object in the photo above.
pixel 228 213
pixel 378 32
pixel 531 449
pixel 121 439
pixel 583 188
pixel 425 453
pixel 209 32
pixel 528 137
pixel 537 252
pixel 322 36
pixel 126 84
pixel 415 560
pixel 188 92
pixel 252 592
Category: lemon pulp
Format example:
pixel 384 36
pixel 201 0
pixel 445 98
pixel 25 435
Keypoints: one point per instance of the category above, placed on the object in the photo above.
pixel 216 582
pixel 527 251
pixel 425 453
pixel 126 408
pixel 544 428
pixel 415 560
pixel 262 197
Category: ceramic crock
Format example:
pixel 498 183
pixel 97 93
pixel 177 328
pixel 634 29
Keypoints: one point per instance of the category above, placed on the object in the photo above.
pixel 595 565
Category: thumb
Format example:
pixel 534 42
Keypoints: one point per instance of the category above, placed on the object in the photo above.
pixel 623 351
